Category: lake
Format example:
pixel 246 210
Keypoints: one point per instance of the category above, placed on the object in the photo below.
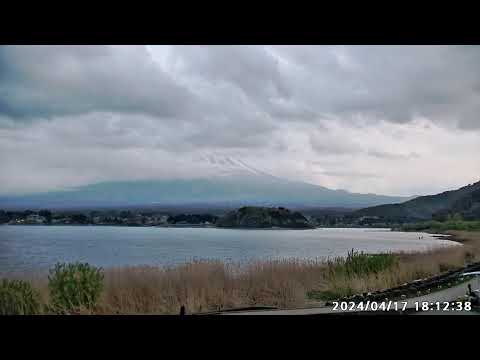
pixel 27 248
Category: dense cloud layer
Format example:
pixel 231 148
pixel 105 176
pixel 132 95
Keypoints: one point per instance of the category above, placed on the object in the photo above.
pixel 384 119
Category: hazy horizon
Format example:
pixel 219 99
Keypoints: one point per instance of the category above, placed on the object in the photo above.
pixel 388 120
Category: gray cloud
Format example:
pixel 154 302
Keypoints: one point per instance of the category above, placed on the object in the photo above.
pixel 90 113
pixel 394 83
pixel 333 145
pixel 44 82
pixel 392 156
pixel 349 174
pixel 390 82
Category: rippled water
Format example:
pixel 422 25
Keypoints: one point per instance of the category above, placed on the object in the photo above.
pixel 26 248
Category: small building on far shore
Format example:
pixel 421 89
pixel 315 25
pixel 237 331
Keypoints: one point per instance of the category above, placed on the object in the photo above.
pixel 35 219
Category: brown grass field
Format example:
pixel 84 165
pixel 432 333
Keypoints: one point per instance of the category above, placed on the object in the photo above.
pixel 212 285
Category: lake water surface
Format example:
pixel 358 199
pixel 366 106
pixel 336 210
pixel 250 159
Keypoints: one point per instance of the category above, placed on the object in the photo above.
pixel 27 248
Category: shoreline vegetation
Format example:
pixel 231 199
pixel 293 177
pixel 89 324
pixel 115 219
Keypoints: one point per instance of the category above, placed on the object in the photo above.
pixel 203 286
pixel 246 217
pixel 436 227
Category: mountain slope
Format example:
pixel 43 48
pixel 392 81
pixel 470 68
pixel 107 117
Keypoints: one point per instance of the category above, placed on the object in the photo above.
pixel 467 206
pixel 465 201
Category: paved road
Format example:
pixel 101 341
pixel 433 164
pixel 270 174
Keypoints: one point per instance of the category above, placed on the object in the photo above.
pixel 450 294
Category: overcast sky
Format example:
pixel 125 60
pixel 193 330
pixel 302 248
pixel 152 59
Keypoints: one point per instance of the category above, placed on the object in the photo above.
pixel 396 120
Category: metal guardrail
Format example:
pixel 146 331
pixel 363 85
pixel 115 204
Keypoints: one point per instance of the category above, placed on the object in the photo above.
pixel 416 287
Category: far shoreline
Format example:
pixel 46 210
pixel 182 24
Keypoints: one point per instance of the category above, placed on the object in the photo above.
pixel 437 235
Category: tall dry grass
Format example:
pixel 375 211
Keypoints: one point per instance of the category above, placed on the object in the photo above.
pixel 212 285
pixel 207 286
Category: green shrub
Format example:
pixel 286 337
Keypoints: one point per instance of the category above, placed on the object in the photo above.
pixel 17 297
pixel 358 264
pixel 74 286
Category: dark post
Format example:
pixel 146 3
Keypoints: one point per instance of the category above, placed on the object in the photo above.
pixel 182 310
pixel 470 292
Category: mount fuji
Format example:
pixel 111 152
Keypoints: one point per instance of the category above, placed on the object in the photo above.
pixel 228 181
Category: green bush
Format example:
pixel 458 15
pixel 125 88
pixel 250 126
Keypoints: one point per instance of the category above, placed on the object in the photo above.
pixel 358 264
pixel 74 286
pixel 17 297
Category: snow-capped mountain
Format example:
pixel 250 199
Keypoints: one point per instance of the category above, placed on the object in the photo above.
pixel 229 181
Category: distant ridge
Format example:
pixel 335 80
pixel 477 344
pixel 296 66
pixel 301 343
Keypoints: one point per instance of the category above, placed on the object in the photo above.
pixel 464 201
pixel 226 190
